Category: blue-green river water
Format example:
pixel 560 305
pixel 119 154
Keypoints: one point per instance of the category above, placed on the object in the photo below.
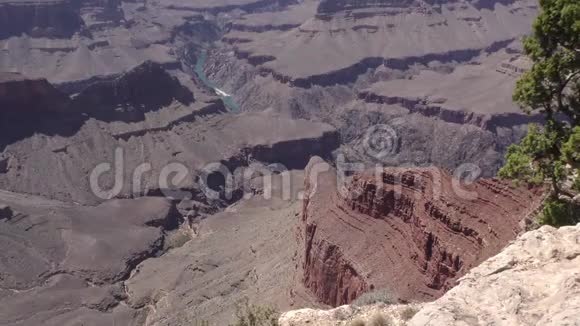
pixel 226 98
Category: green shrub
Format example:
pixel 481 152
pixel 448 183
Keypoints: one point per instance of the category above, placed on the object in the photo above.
pixel 253 315
pixel 409 313
pixel 374 297
pixel 559 213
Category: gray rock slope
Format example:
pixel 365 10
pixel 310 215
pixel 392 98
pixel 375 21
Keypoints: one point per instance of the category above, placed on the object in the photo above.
pixel 63 263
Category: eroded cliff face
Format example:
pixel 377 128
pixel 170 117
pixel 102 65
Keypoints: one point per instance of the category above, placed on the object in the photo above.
pixel 64 263
pixel 533 281
pixel 48 18
pixel 327 273
pixel 364 8
pixel 19 95
pixel 147 87
pixel 411 231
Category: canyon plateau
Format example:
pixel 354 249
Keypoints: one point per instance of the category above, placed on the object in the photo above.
pixel 163 160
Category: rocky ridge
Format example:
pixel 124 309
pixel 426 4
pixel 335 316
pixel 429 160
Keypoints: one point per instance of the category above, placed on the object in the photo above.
pixel 533 281
pixel 154 117
pixel 364 69
pixel 22 96
pixel 64 263
pixel 418 230
pixel 39 18
pixel 147 87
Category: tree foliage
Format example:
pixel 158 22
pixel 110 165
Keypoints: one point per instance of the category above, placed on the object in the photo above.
pixel 551 88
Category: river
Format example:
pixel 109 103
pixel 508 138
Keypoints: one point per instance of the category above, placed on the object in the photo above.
pixel 226 98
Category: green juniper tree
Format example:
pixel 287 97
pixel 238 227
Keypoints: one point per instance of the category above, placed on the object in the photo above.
pixel 551 87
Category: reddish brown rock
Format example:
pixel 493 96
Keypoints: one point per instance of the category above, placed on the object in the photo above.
pixel 412 232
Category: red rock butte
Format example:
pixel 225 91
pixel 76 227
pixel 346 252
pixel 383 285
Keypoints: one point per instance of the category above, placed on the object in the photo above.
pixel 413 232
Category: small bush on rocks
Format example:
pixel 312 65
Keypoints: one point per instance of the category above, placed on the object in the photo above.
pixel 409 313
pixel 253 315
pixel 374 297
pixel 379 320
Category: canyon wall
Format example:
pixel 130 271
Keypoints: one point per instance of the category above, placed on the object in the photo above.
pixel 63 263
pixel 147 87
pixel 413 232
pixel 533 281
pixel 39 18
pixel 19 95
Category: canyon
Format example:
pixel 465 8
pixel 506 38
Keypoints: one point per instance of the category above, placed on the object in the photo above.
pixel 511 288
pixel 413 232
pixel 161 160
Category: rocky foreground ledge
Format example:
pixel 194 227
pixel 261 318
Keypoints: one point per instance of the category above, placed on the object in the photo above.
pixel 534 281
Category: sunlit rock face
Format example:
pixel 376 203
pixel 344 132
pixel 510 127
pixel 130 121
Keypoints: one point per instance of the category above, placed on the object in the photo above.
pixel 411 231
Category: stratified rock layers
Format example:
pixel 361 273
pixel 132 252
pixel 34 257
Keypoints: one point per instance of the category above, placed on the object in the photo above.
pixel 147 87
pixel 534 281
pixel 413 232
pixel 40 18
pixel 19 95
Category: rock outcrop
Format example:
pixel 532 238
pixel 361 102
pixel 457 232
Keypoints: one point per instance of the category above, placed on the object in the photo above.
pixel 39 18
pixel 64 263
pixel 6 212
pixel 330 7
pixel 533 281
pixel 29 106
pixel 243 252
pixel 22 96
pixel 145 88
pixel 410 231
pixel 4 163
pixel 348 315
pixel 60 167
pixel 353 65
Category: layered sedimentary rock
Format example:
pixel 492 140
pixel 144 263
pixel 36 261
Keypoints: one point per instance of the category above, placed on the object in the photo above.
pixel 67 263
pixel 147 87
pixel 534 281
pixel 22 96
pixel 64 263
pixel 39 18
pixel 100 14
pixel 331 7
pixel 145 116
pixel 409 231
pixel 327 32
pixel 288 62
pixel 112 38
pixel 244 252
pixel 445 88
